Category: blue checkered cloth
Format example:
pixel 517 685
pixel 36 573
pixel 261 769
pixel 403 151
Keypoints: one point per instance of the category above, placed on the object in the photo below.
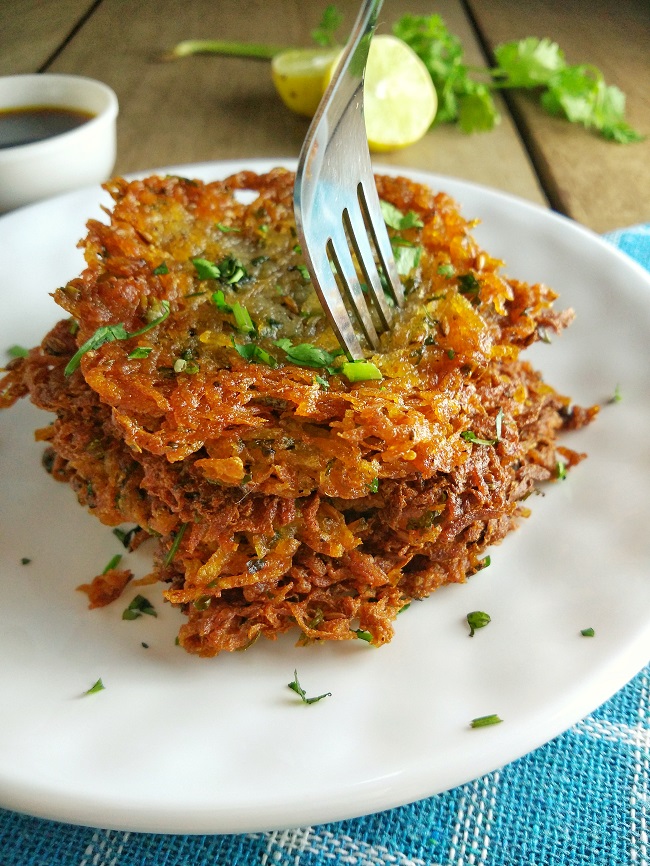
pixel 581 800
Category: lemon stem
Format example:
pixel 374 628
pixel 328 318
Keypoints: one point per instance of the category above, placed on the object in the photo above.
pixel 231 49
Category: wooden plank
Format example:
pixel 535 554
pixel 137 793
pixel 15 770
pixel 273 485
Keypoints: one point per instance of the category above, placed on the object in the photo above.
pixel 213 108
pixel 31 31
pixel 599 183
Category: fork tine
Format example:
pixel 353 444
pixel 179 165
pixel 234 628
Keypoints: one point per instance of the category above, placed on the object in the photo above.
pixel 369 201
pixel 340 254
pixel 332 301
pixel 335 193
pixel 357 233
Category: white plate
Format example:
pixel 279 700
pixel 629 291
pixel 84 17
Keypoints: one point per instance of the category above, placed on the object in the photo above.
pixel 179 744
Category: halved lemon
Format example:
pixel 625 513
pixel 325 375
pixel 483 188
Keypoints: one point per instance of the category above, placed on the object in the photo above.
pixel 400 101
pixel 399 97
pixel 299 76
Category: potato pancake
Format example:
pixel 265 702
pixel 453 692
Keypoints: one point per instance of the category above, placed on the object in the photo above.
pixel 200 394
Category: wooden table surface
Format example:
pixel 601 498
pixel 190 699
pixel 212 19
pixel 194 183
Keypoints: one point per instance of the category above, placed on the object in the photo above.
pixel 212 108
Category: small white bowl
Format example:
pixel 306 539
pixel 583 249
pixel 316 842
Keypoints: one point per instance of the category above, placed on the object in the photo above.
pixel 79 157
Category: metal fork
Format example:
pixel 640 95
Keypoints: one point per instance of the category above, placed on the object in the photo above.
pixel 337 207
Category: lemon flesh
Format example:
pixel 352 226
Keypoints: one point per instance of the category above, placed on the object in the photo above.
pixel 300 77
pixel 400 100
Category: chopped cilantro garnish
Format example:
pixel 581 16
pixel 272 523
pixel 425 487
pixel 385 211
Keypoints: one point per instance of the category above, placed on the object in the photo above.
pixel 183 366
pixel 363 635
pixel 374 485
pixel 360 371
pixel 202 603
pixel 295 686
pixel 171 553
pixel 98 686
pixel 396 219
pixel 125 536
pixel 242 319
pixel 304 272
pixel 307 355
pixel 25 560
pixel 484 721
pixel 588 632
pixel 446 270
pixel 139 606
pixel 161 270
pixel 230 270
pixel 17 352
pixel 477 619
pixel 140 352
pixel 224 228
pixel 499 424
pixel 206 270
pixel 219 300
pixel 616 396
pixel 468 284
pixel 470 436
pixel 113 563
pixel 560 470
pixel 253 352
pixel 109 333
pixel 407 256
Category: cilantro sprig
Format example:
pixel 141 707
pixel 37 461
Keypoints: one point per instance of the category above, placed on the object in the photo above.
pixel 578 92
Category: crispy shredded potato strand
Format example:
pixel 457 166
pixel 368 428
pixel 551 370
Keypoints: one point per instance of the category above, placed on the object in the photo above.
pixel 282 495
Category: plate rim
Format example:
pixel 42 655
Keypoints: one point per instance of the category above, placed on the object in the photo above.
pixel 623 667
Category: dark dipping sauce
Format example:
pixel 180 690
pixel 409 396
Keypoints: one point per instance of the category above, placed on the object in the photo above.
pixel 37 122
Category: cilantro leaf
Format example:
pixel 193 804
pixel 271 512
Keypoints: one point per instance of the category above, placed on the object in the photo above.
pixel 126 536
pixel 397 219
pixel 109 333
pixel 477 619
pixel 139 606
pixel 17 351
pixel 307 355
pixel 253 352
pixel 295 686
pixel 325 33
pixel 477 111
pixel 407 256
pixel 98 686
pixel 206 270
pixel 528 62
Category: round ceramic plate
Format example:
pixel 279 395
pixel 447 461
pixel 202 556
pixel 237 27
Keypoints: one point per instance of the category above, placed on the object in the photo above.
pixel 181 744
